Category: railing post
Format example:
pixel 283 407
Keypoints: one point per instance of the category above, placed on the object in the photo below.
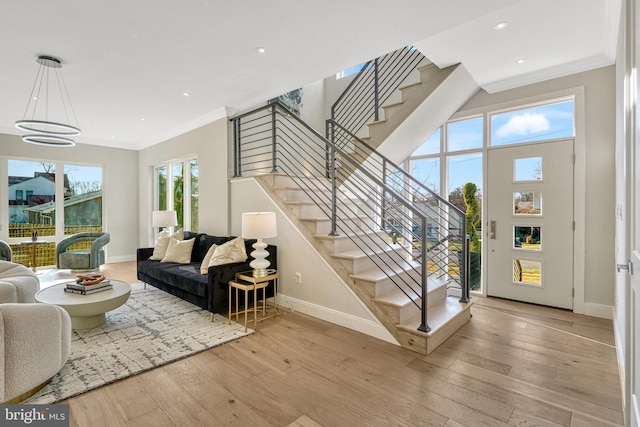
pixel 383 205
pixel 424 327
pixel 334 192
pixel 376 92
pixel 327 158
pixel 274 166
pixel 236 144
pixel 464 295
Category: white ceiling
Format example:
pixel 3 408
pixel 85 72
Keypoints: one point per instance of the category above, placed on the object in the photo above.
pixel 128 60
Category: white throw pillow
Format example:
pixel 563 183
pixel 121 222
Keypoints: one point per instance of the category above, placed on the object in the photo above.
pixel 204 267
pixel 179 251
pixel 232 251
pixel 160 250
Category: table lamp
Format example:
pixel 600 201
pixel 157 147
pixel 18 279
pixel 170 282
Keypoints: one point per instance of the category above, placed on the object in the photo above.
pixel 164 219
pixel 259 225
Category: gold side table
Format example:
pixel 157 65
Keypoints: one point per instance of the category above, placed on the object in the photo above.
pixel 244 281
pixel 34 251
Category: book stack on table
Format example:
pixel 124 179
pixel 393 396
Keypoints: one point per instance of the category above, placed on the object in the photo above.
pixel 79 288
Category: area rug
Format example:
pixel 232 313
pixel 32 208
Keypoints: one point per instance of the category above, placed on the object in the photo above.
pixel 153 328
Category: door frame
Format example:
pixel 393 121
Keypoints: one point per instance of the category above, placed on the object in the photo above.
pixel 579 194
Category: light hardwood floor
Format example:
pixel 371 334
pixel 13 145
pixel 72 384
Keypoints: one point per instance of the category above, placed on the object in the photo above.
pixel 512 364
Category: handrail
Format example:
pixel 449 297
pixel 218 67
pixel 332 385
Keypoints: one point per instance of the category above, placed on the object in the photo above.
pixel 272 138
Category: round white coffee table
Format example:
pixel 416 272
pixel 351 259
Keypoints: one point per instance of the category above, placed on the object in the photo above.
pixel 86 311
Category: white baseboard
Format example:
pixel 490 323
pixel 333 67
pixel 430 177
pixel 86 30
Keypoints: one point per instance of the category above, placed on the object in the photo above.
pixel 124 258
pixel 367 327
pixel 598 310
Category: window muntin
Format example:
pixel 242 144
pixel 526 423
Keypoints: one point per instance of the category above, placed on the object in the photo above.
pixel 538 123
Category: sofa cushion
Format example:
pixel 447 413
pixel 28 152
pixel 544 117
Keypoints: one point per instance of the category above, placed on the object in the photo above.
pixel 203 243
pixel 182 276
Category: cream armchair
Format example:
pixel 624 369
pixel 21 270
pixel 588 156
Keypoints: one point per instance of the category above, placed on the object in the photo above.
pixel 35 343
pixel 17 283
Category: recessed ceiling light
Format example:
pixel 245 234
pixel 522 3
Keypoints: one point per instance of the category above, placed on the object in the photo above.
pixel 143 119
pixel 261 49
pixel 500 26
pixel 186 94
pixel 520 61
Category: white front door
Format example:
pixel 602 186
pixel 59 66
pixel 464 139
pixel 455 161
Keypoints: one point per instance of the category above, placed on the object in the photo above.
pixel 529 233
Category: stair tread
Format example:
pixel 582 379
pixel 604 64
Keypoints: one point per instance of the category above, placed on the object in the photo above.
pixel 437 316
pixel 375 275
pixel 358 253
pixel 395 297
pixel 346 237
pixel 410 85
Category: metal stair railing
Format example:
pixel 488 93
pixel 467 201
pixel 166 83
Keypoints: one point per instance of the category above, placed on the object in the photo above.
pixel 358 200
pixel 378 79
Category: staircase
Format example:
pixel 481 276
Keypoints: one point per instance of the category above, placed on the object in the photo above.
pixel 395 307
pixel 351 202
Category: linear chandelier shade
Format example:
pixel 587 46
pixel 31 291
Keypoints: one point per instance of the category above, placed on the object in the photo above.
pixel 36 116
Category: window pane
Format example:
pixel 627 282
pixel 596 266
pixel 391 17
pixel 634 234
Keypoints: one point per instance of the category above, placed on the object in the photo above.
pixel 32 189
pixel 430 146
pixel 528 169
pixel 463 169
pixel 427 171
pixel 527 203
pixel 464 135
pixel 194 195
pixel 533 124
pixel 82 199
pixel 178 191
pixel 161 176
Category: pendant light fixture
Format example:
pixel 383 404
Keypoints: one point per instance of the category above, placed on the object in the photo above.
pixel 36 115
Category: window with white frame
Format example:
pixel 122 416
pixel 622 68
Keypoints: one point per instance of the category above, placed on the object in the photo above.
pixel 176 188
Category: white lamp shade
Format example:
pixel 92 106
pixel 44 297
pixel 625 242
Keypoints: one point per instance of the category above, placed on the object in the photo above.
pixel 259 225
pixel 164 219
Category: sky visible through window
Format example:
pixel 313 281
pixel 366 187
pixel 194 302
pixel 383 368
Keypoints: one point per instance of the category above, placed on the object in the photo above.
pixel 551 121
pixel 533 124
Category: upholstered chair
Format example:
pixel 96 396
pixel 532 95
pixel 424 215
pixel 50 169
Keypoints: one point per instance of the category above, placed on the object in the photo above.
pixel 5 251
pixel 36 343
pixel 82 259
pixel 17 283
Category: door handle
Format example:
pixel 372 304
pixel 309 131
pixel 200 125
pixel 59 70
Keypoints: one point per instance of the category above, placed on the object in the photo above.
pixel 492 230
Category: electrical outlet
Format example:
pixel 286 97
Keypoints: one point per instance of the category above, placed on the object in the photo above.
pixel 298 278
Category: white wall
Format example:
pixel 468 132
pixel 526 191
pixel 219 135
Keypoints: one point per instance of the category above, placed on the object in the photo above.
pixel 210 144
pixel 599 180
pixel 120 168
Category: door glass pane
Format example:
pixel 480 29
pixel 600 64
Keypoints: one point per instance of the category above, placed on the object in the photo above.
pixel 178 192
pixel 82 199
pixel 465 134
pixel 527 203
pixel 527 272
pixel 194 194
pixel 539 123
pixel 430 146
pixel 529 169
pixel 527 237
